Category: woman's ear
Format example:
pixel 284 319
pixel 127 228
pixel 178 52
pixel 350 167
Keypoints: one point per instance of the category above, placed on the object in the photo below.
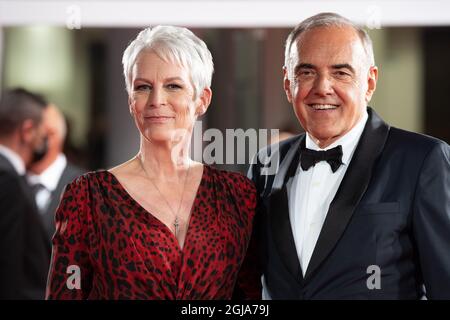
pixel 205 100
pixel 130 106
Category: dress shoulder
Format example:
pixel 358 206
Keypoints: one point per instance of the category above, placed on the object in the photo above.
pixel 88 177
pixel 79 195
pixel 241 188
pixel 87 181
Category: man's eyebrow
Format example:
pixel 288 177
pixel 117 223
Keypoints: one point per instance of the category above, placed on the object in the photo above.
pixel 343 66
pixel 303 66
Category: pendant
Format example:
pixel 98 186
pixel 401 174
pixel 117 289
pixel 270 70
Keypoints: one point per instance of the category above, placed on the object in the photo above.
pixel 176 224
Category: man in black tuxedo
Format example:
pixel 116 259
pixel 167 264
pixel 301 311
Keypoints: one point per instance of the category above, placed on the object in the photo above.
pixel 49 176
pixel 355 209
pixel 24 249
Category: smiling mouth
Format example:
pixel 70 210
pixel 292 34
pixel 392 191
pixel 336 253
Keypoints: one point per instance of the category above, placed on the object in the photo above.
pixel 323 106
pixel 158 117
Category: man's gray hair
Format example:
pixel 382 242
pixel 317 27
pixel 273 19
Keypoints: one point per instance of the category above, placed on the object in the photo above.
pixel 172 44
pixel 327 19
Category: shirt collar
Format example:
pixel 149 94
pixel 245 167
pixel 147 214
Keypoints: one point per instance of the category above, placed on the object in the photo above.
pixel 347 141
pixel 14 159
pixel 49 178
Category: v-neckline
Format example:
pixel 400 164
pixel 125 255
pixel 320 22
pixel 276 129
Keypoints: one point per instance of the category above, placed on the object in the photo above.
pixel 152 216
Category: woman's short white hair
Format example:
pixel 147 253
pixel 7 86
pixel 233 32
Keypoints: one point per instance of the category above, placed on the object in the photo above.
pixel 327 19
pixel 174 44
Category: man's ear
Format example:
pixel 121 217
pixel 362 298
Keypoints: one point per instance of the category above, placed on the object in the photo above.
pixel 372 78
pixel 27 131
pixel 287 84
pixel 205 100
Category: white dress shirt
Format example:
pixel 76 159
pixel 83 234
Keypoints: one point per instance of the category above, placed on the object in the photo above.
pixel 49 179
pixel 310 194
pixel 14 159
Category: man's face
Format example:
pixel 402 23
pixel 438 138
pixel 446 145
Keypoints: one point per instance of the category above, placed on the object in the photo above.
pixel 329 82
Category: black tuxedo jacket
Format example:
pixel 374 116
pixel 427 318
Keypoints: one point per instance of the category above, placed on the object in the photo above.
pixel 69 174
pixel 24 248
pixel 391 211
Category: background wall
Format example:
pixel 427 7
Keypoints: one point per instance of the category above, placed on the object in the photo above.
pixel 72 54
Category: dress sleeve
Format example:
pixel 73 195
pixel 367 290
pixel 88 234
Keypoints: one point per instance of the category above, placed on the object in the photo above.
pixel 248 284
pixel 70 275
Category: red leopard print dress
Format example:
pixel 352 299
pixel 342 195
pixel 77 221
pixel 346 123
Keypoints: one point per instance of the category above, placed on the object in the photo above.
pixel 123 252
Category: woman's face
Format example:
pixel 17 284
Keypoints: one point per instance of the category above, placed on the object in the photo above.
pixel 162 98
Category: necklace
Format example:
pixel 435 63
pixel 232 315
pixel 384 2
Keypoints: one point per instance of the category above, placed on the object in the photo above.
pixel 176 222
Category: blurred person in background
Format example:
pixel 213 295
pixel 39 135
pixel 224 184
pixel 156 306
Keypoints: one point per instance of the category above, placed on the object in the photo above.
pixel 159 226
pixel 49 176
pixel 24 247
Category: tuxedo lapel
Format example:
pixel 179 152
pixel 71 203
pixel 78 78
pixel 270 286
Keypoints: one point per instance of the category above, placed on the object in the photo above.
pixel 27 193
pixel 351 190
pixel 56 195
pixel 5 165
pixel 278 208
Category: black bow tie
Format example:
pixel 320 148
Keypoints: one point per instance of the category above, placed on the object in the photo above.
pixel 310 157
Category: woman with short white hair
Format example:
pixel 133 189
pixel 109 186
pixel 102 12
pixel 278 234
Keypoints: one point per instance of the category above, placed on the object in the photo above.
pixel 159 226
